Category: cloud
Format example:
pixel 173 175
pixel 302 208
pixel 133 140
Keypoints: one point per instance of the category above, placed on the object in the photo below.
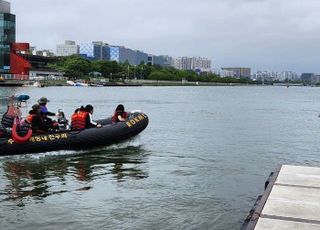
pixel 272 35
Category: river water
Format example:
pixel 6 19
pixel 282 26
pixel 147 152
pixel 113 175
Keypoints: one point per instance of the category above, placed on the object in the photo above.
pixel 200 164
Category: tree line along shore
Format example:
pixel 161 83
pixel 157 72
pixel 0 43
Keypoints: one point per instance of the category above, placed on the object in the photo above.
pixel 77 68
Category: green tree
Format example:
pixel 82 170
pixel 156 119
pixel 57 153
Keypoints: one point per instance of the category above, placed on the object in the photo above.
pixel 74 66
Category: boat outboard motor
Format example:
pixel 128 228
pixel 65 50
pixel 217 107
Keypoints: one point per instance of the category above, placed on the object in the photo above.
pixel 62 121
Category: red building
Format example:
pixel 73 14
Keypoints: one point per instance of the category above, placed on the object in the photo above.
pixel 19 65
pixel 24 65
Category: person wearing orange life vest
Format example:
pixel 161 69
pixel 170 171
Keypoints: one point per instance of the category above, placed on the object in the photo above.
pixel 119 114
pixel 82 118
pixel 38 125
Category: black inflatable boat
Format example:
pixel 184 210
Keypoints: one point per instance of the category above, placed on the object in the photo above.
pixel 108 134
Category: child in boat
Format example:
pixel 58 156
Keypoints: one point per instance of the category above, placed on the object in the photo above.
pixel 38 125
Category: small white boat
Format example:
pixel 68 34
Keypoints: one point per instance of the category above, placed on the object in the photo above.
pixel 37 84
pixel 71 83
pixel 80 84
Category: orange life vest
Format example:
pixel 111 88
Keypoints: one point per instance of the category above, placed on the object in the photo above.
pixel 29 118
pixel 78 120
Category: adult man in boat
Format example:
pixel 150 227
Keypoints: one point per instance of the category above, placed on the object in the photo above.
pixel 44 111
pixel 82 118
pixel 43 106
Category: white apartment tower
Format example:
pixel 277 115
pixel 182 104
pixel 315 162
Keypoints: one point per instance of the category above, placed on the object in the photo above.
pixel 193 63
pixel 67 49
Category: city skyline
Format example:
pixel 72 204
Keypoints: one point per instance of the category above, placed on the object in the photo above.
pixel 272 35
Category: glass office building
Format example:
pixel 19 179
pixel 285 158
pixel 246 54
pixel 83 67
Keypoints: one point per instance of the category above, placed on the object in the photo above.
pixel 114 53
pixel 122 54
pixel 95 51
pixel 87 50
pixel 7 35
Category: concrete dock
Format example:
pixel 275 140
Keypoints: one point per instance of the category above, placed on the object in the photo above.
pixel 291 201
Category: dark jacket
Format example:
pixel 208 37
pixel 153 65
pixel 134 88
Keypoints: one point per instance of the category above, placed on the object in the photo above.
pixel 89 122
pixel 36 121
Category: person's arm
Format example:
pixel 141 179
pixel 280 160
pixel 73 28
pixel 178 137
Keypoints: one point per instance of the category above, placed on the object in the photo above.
pixel 120 118
pixel 90 123
pixel 50 114
pixel 44 111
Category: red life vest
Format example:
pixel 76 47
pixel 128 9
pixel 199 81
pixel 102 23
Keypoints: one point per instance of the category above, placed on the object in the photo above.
pixel 78 120
pixel 116 114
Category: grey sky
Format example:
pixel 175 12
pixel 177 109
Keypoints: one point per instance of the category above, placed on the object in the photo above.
pixel 261 34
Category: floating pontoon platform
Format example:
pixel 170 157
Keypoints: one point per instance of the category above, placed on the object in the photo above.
pixel 291 200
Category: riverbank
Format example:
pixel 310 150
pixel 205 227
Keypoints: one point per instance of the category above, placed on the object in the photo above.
pixel 145 83
pixel 127 83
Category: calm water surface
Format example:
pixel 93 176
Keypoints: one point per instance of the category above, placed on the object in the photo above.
pixel 200 164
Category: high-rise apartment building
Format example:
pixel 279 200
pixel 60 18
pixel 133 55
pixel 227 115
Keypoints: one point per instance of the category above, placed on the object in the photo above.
pixel 7 35
pixel 275 76
pixel 201 64
pixel 183 63
pixel 239 72
pixel 193 63
pixel 67 49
